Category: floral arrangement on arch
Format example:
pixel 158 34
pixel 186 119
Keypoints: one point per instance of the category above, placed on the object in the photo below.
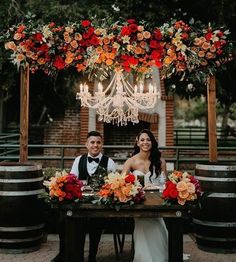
pixel 181 188
pixel 64 187
pixel 127 46
pixel 120 189
pixel 192 52
pixel 189 52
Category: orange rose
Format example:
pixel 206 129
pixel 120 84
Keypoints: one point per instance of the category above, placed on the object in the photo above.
pixel 201 53
pixel 41 61
pixel 106 40
pixel 109 62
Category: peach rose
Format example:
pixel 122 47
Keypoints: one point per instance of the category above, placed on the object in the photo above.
pixel 78 37
pixel 74 44
pixel 20 57
pixel 10 45
pixel 191 188
pixel 146 34
pixel 181 201
pixel 139 36
pixel 17 36
pixel 201 53
pixel 181 186
pixel 140 28
pixel 206 45
pixel 184 194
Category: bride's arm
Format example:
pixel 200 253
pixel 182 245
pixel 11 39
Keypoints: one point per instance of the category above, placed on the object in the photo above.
pixel 163 166
pixel 127 166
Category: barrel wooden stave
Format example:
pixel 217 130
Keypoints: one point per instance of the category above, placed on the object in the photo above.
pixel 21 223
pixel 215 222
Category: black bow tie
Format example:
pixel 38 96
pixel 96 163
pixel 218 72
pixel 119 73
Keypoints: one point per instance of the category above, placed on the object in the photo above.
pixel 91 159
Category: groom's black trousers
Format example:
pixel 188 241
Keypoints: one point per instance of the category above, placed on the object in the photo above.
pixel 77 234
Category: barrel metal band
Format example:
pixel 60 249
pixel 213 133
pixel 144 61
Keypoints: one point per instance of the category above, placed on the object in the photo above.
pixel 222 195
pixel 219 179
pixel 20 229
pixel 214 223
pixel 22 193
pixel 215 167
pixel 219 239
pixel 20 240
pixel 20 168
pixel 25 180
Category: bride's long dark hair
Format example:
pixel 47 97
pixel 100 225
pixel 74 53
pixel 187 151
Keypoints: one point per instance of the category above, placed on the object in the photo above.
pixel 155 155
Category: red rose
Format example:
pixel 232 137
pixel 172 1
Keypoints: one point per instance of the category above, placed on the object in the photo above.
pixel 173 193
pixel 131 21
pixel 86 23
pixel 125 31
pixel 94 40
pixel 208 36
pixel 158 34
pixel 59 63
pixel 38 37
pixel 130 178
pixel 133 28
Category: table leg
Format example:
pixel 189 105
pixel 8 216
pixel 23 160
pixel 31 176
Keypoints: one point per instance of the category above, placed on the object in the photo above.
pixel 70 239
pixel 175 229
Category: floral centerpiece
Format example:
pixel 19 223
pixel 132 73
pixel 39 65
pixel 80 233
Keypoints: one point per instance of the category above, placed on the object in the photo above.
pixel 120 189
pixel 181 188
pixel 64 187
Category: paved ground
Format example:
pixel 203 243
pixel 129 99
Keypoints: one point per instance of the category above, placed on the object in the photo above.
pixel 106 252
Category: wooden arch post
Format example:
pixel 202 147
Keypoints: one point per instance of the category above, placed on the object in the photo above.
pixel 212 134
pixel 24 113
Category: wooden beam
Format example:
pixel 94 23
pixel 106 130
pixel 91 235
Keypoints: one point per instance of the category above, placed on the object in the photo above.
pixel 211 98
pixel 24 113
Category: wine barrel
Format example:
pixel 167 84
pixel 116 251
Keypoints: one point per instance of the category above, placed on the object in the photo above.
pixel 215 220
pixel 21 215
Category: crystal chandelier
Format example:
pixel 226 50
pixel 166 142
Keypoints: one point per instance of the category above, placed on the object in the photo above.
pixel 119 102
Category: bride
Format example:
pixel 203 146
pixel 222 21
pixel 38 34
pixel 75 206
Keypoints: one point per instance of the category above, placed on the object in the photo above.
pixel 150 234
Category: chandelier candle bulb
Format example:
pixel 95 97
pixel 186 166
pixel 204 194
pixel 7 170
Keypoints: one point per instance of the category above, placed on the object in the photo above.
pixel 100 87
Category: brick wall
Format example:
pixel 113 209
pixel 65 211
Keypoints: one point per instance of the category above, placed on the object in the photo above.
pixel 63 131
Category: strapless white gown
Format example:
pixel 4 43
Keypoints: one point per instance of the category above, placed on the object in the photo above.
pixel 150 236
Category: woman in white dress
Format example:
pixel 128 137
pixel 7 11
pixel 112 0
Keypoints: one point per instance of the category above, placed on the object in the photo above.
pixel 150 234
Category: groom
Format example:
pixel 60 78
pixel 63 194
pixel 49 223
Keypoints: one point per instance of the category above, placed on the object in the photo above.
pixel 85 167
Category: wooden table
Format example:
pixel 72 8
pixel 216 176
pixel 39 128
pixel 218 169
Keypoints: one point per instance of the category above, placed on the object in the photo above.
pixel 151 207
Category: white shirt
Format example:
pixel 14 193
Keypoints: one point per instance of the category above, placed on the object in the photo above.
pixel 92 166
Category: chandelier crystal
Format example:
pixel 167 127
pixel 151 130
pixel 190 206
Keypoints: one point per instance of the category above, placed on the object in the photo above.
pixel 119 102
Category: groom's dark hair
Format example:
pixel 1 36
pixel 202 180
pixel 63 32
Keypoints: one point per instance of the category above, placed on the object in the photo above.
pixel 94 133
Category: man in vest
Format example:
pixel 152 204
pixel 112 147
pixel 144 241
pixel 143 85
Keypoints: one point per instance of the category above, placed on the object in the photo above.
pixel 85 166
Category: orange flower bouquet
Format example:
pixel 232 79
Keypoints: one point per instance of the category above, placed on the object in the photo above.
pixel 64 187
pixel 181 187
pixel 121 189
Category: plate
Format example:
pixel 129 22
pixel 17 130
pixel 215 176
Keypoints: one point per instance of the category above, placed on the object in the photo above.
pixel 87 188
pixel 88 193
pixel 151 188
